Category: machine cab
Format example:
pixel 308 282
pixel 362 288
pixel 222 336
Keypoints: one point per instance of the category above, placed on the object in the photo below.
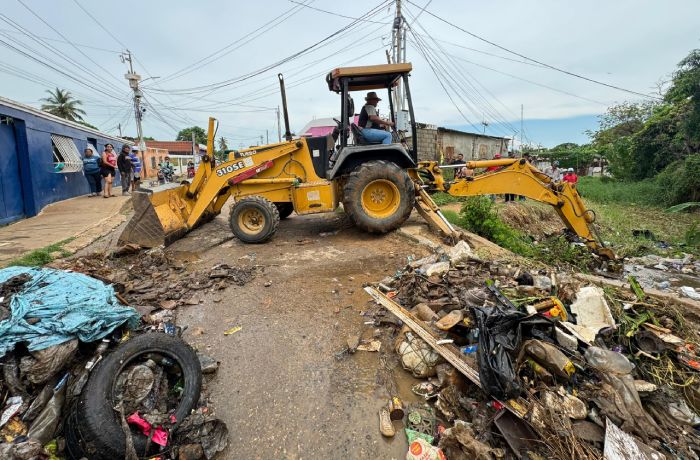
pixel 392 78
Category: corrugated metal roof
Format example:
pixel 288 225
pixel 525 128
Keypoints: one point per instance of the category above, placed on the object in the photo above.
pixel 47 116
pixel 456 131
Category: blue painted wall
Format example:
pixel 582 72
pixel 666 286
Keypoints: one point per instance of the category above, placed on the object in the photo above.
pixel 26 164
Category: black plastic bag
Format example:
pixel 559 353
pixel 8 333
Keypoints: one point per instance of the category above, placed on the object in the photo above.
pixel 500 337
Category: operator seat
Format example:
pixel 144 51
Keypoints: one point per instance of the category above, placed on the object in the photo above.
pixel 358 137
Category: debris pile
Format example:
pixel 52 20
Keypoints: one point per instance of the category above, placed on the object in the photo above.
pixel 155 278
pixel 84 375
pixel 675 274
pixel 539 364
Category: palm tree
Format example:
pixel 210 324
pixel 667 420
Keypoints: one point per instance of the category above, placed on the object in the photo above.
pixel 223 145
pixel 62 104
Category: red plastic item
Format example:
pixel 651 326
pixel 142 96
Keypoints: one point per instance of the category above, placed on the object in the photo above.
pixel 160 436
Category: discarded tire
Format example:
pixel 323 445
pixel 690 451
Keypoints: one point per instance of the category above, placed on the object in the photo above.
pixel 378 196
pixel 93 427
pixel 285 209
pixel 254 219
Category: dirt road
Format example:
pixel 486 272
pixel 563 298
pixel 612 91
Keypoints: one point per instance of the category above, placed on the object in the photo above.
pixel 280 388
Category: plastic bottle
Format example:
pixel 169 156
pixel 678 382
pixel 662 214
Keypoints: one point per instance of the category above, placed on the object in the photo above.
pixel 468 349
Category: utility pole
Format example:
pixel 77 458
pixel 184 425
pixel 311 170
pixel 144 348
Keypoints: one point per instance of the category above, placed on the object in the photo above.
pixel 119 126
pixel 195 150
pixel 521 128
pixel 279 126
pixel 398 42
pixel 267 136
pixel 485 124
pixel 134 79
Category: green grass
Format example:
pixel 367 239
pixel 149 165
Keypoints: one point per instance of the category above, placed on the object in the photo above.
pixel 604 190
pixel 42 256
pixel 622 207
pixel 442 198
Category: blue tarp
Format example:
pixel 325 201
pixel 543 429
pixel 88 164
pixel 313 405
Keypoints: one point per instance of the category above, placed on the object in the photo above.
pixel 68 305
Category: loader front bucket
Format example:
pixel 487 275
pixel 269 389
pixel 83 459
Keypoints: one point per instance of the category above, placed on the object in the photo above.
pixel 160 217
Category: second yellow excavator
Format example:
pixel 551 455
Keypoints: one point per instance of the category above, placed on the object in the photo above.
pixel 377 184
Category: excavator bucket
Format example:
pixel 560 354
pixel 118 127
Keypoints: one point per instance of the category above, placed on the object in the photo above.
pixel 160 217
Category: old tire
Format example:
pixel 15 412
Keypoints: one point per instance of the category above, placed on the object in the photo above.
pixel 378 196
pixel 285 209
pixel 254 219
pixel 93 428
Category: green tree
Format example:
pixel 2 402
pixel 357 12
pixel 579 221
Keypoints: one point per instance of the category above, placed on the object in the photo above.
pixel 62 104
pixel 200 135
pixel 223 144
pixel 685 90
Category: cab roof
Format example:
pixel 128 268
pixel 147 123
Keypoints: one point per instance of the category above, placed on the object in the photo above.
pixel 363 78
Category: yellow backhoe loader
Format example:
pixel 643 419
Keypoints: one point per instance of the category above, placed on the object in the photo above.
pixel 377 184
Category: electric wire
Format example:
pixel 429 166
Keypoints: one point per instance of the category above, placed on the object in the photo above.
pixel 65 74
pixel 21 2
pixel 244 77
pixel 224 51
pixel 472 90
pixel 549 66
pixel 108 86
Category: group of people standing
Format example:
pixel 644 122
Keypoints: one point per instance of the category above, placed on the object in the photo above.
pixel 104 167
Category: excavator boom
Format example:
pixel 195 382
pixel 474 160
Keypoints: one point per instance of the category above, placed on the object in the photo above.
pixel 517 177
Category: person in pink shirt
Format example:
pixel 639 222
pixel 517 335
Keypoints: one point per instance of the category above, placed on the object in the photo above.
pixel 108 169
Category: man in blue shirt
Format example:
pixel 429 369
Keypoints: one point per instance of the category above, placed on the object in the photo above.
pixel 136 169
pixel 91 169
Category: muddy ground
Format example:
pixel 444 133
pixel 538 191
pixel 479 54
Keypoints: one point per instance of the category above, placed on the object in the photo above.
pixel 281 388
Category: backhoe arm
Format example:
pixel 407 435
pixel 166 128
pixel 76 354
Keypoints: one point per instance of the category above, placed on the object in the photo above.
pixel 520 178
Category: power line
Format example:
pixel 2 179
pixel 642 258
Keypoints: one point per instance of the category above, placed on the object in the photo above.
pixel 338 14
pixel 66 74
pixel 55 51
pixel 471 91
pixel 58 40
pixel 257 32
pixel 65 38
pixel 231 81
pixel 558 69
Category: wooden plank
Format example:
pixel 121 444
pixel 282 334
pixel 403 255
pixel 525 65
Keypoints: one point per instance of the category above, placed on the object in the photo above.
pixel 449 352
pixel 404 315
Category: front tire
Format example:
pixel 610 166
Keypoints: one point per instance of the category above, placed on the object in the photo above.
pixel 378 196
pixel 254 219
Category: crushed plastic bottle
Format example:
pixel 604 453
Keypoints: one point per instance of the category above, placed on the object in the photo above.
pixel 608 361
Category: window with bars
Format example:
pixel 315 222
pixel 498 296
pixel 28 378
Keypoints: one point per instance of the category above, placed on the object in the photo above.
pixel 66 158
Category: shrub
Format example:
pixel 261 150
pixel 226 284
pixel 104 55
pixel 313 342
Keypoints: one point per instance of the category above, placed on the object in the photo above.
pixel 680 181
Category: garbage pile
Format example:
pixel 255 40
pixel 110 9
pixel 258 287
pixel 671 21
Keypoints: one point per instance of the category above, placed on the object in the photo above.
pixel 674 274
pixel 84 375
pixel 522 364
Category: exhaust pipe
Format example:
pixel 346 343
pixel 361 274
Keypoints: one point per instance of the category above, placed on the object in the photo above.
pixel 287 132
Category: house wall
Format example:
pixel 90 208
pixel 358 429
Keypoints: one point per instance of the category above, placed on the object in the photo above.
pixel 433 140
pixel 152 158
pixel 27 178
pixel 473 147
pixel 427 143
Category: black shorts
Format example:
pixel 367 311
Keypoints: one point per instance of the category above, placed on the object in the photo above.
pixel 107 171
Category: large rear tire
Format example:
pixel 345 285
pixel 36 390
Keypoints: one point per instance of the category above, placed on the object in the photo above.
pixel 378 196
pixel 254 219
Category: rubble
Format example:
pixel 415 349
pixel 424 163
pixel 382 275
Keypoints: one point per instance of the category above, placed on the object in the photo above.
pixel 559 366
pixel 58 349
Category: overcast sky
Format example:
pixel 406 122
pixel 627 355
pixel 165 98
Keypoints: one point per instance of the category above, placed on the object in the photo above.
pixel 627 43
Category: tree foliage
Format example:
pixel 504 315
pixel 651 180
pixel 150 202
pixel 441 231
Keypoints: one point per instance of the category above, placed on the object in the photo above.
pixel 200 135
pixel 642 139
pixel 61 103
